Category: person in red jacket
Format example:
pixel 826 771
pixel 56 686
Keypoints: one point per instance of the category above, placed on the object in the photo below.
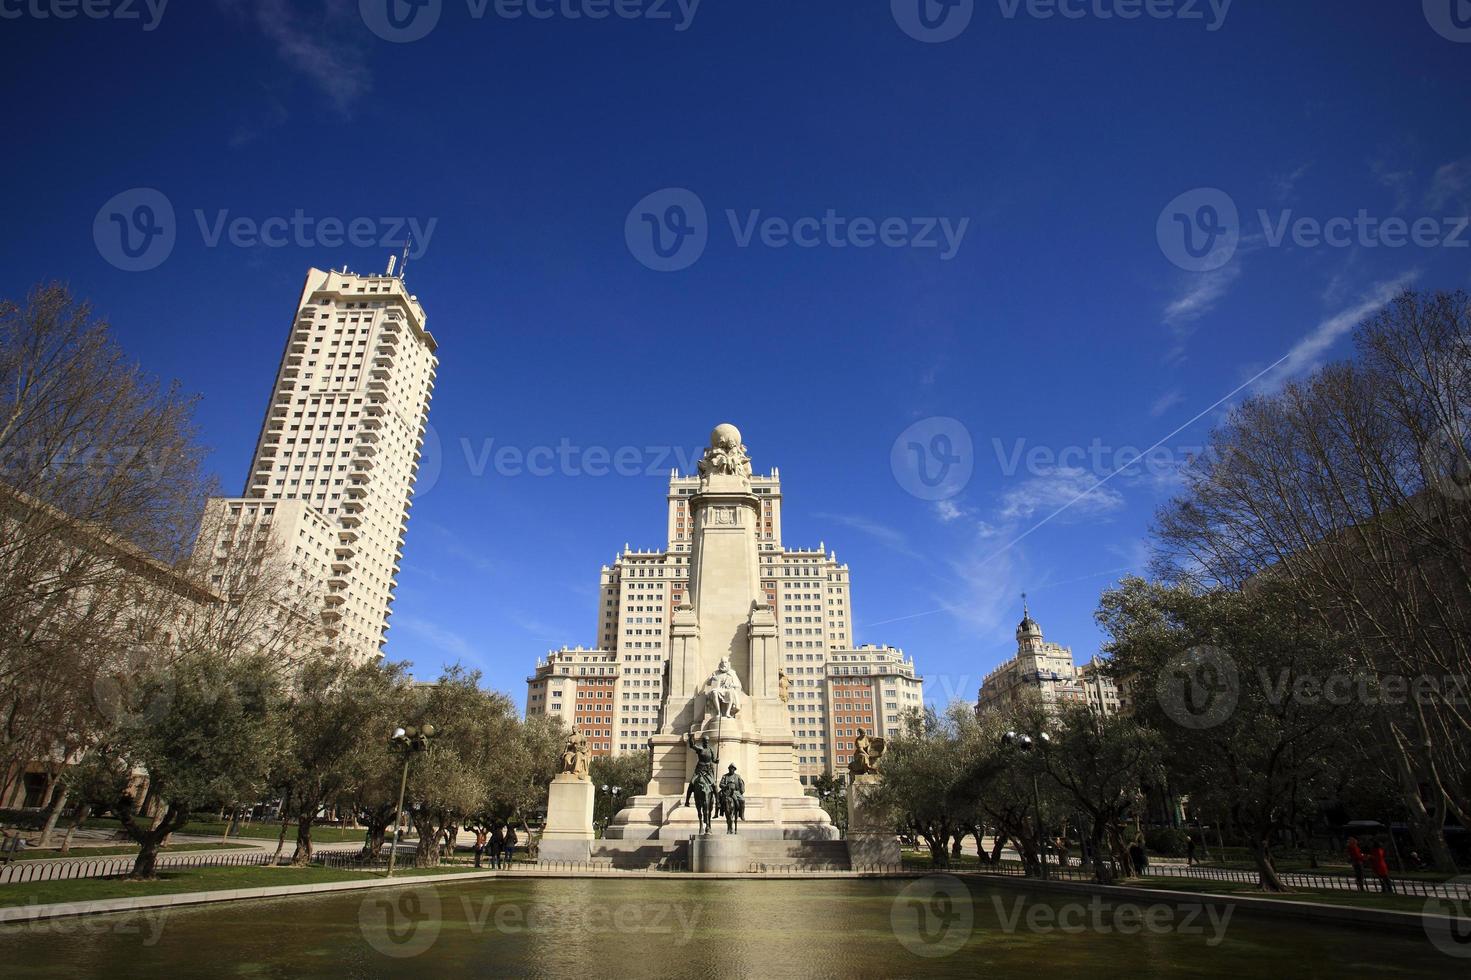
pixel 1356 859
pixel 1380 867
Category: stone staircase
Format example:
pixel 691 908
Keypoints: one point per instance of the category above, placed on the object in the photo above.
pixel 801 855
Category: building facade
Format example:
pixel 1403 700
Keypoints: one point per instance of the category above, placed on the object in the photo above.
pixel 1047 671
pixel 339 449
pixel 614 692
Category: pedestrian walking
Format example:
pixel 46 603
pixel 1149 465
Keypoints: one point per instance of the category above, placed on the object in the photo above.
pixel 479 844
pixel 1189 852
pixel 511 842
pixel 1356 861
pixel 1137 857
pixel 1380 866
pixel 497 845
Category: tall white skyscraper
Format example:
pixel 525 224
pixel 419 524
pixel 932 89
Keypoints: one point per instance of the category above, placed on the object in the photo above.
pixel 341 441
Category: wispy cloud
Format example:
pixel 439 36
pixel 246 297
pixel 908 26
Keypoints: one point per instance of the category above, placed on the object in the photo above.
pixel 948 511
pixel 1451 185
pixel 1310 352
pixel 1165 402
pixel 326 46
pixel 1283 185
pixel 446 641
pixel 891 538
pixel 1063 486
pixel 1201 292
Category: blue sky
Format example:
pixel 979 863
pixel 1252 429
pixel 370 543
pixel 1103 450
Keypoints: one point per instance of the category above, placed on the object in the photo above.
pixel 1065 317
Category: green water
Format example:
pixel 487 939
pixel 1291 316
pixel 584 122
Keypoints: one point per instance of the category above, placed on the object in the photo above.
pixel 933 927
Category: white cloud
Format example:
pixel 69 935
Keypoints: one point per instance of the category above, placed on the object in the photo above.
pixel 1165 402
pixel 1284 184
pixel 1309 352
pixel 1202 292
pixel 1069 489
pixel 947 511
pixel 327 48
pixel 446 641
pixel 1450 185
pixel 890 537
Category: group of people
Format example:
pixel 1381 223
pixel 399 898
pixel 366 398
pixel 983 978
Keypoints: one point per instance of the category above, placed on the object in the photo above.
pixel 499 845
pixel 1376 860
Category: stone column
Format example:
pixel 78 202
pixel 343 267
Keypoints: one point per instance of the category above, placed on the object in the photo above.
pixel 569 834
pixel 871 837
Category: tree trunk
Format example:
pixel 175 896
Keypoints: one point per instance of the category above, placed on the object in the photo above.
pixel 303 853
pixel 939 849
pixel 58 801
pixel 82 813
pixel 1267 875
pixel 149 841
pixel 997 846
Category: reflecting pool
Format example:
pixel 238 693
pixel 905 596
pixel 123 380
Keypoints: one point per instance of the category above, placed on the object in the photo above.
pixel 931 927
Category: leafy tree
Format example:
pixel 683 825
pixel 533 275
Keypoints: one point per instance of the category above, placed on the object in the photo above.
pixel 832 796
pixel 1238 699
pixel 630 773
pixel 334 708
pixel 210 736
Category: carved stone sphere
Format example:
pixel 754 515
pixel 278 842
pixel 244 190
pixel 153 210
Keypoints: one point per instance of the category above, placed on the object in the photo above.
pixel 725 436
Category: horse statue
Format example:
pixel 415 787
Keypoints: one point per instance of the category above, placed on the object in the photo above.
pixel 702 787
pixel 732 799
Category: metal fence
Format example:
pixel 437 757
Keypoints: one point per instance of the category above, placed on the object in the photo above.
pixel 1298 879
pixel 112 867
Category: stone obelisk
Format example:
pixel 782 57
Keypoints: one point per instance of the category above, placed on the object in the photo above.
pixel 724 668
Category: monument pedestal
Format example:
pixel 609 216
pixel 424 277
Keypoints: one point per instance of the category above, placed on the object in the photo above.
pixel 569 834
pixel 719 853
pixel 871 837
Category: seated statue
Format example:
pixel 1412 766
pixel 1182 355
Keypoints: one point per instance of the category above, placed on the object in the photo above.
pixel 574 757
pixel 867 752
pixel 723 691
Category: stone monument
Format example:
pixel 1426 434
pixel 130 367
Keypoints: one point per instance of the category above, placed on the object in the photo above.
pixel 569 834
pixel 871 838
pixel 724 676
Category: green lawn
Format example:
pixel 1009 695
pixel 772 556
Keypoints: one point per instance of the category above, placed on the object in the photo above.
pixel 257 831
pixel 36 854
pixel 174 881
pixel 1355 899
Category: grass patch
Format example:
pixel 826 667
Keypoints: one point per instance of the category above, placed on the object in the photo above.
pixel 36 854
pixel 256 831
pixel 1354 899
pixel 173 881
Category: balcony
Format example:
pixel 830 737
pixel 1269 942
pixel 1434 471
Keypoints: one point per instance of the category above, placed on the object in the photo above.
pixel 374 408
pixel 350 520
pixel 331 615
pixel 357 491
pixel 363 464
pixel 367 436
pixel 372 422
pixel 347 536
pixel 336 598
pixel 377 387
pixel 345 552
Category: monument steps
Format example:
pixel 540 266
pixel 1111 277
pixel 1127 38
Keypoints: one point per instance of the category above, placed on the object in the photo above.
pixel 811 855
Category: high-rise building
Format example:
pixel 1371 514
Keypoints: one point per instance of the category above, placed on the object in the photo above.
pixel 614 692
pixel 341 440
pixel 1047 671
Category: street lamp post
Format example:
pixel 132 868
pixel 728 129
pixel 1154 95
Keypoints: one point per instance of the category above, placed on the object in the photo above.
pixel 1026 743
pixel 408 741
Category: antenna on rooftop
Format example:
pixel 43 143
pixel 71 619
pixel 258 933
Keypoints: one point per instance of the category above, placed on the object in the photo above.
pixel 403 268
